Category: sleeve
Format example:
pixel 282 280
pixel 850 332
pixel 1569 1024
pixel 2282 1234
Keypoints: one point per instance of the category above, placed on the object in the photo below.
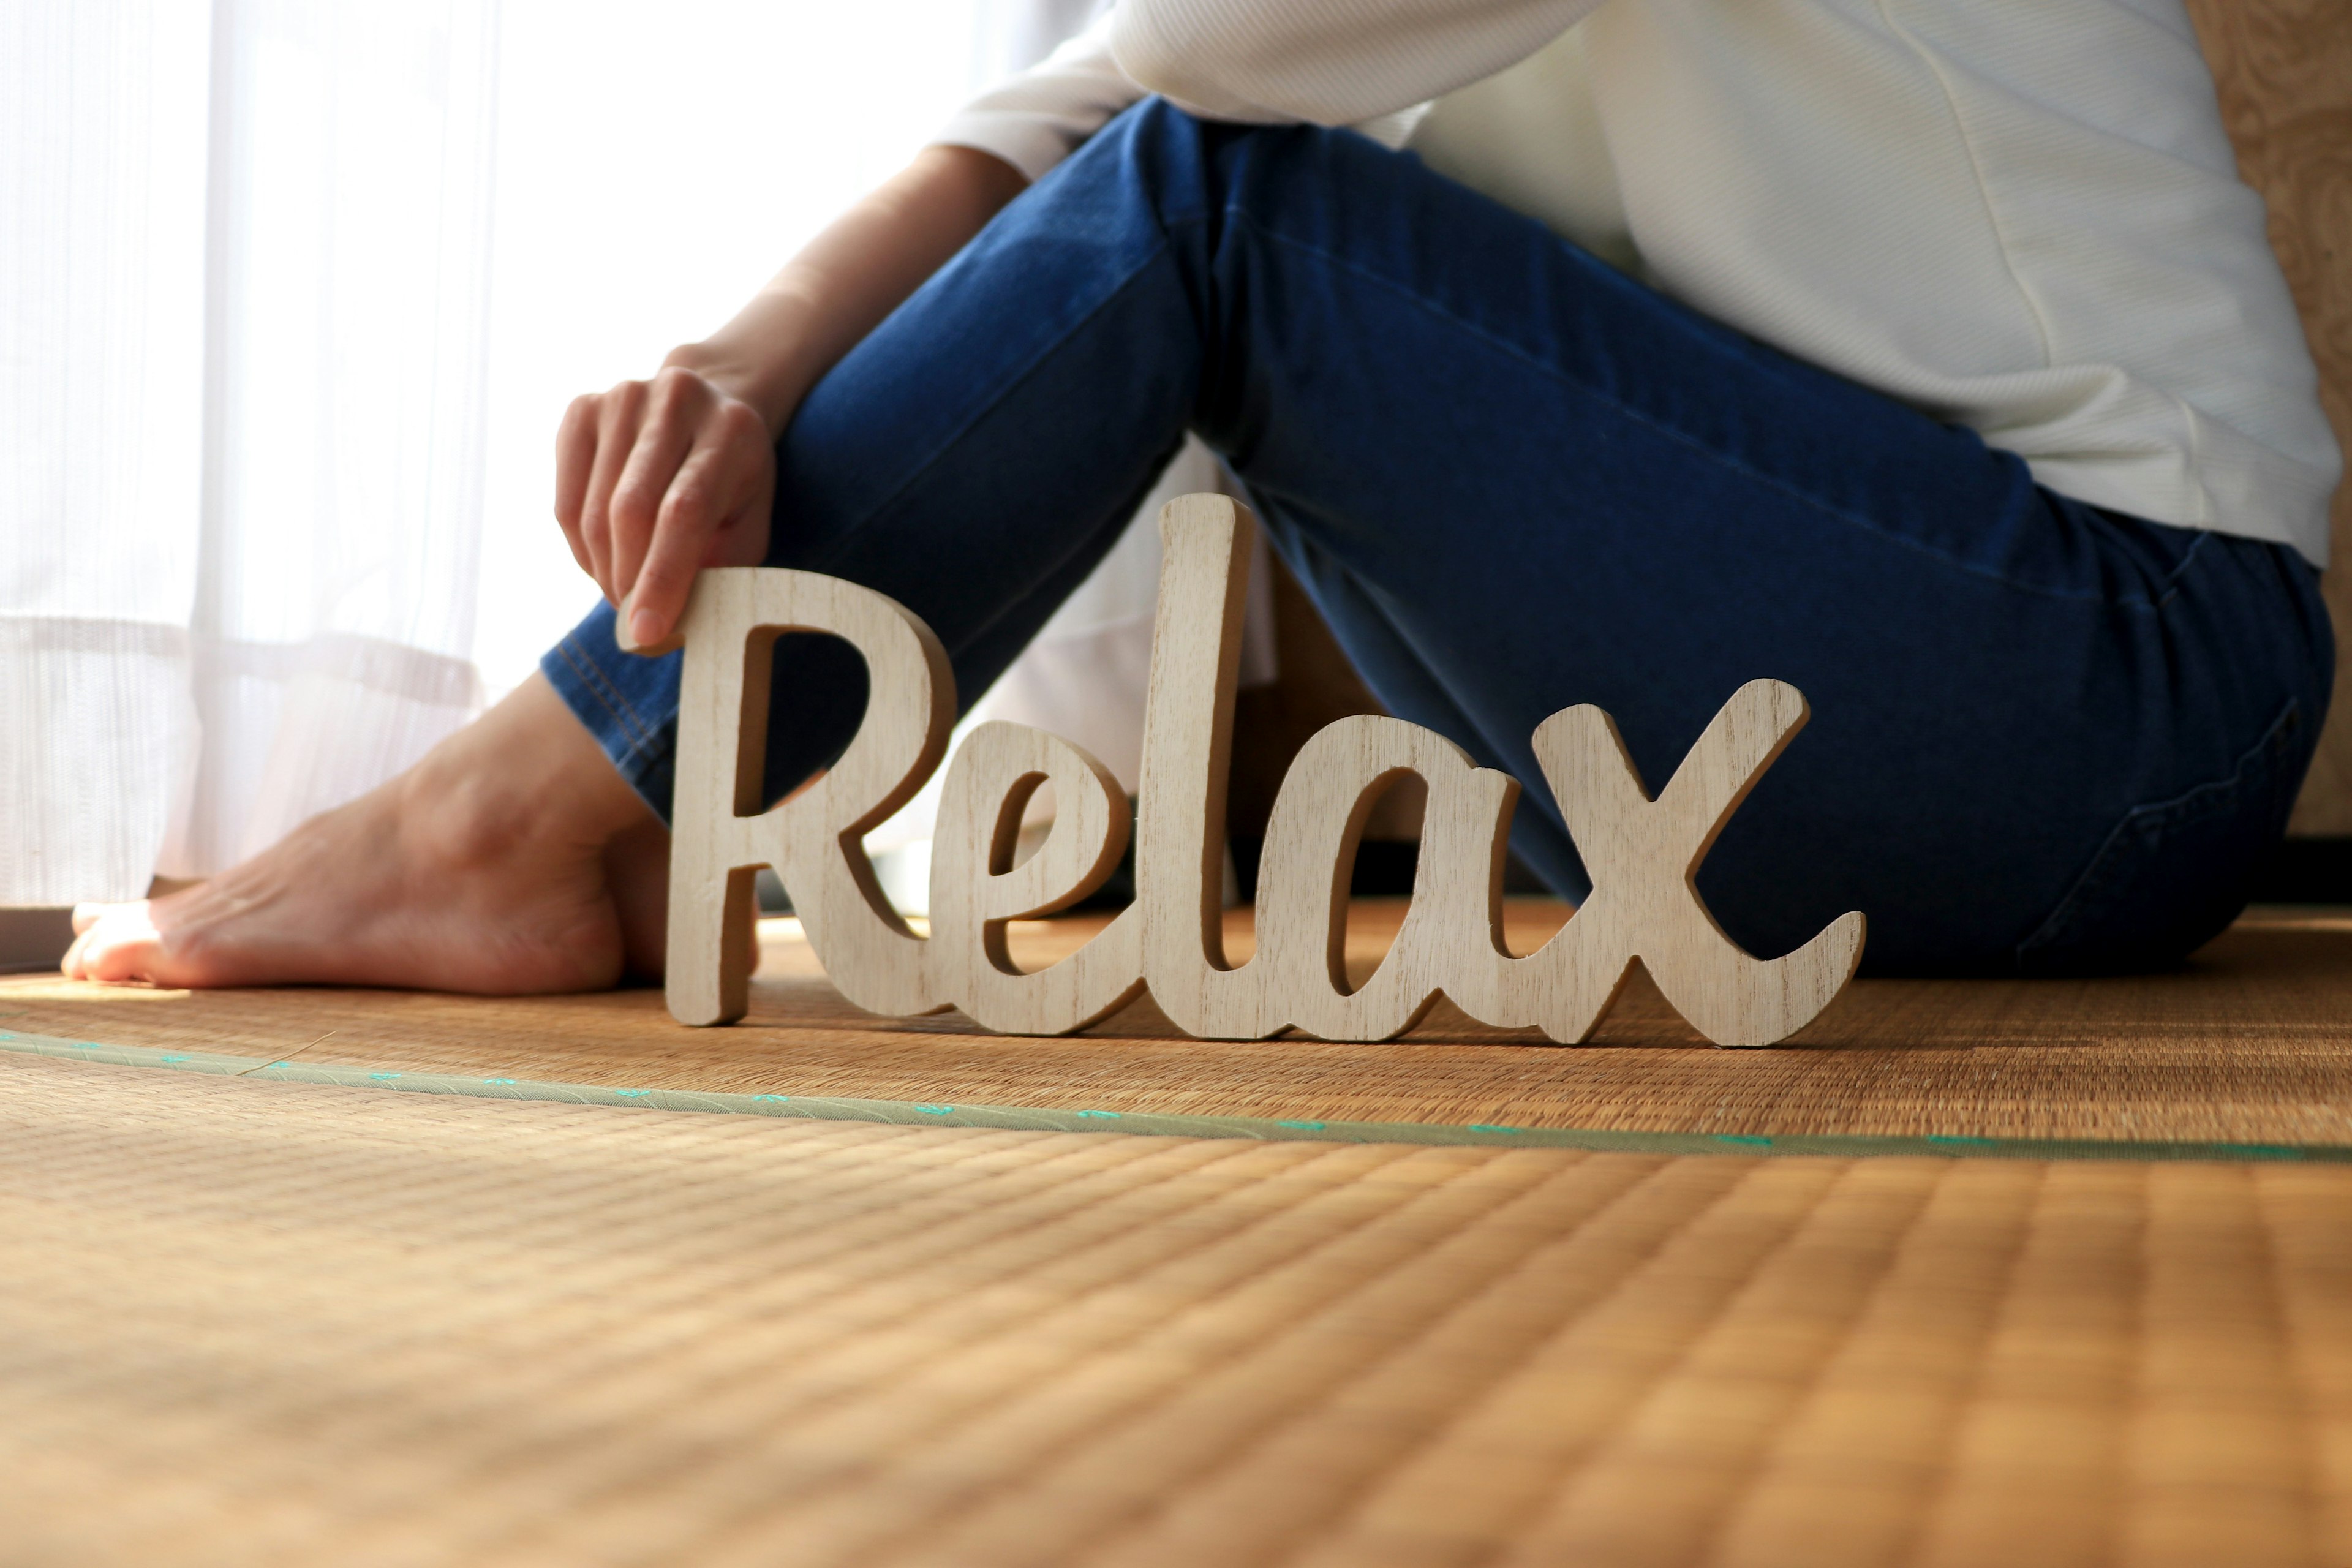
pixel 1328 62
pixel 1036 118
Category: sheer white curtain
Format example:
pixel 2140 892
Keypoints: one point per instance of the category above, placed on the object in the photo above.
pixel 245 276
pixel 102 138
pixel 347 283
pixel 292 293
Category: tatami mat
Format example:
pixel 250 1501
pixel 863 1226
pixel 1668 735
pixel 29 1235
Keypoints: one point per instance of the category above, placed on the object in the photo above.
pixel 2250 1046
pixel 253 1323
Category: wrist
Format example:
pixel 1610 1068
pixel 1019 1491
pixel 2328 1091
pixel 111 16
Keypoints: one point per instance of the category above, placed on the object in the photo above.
pixel 772 390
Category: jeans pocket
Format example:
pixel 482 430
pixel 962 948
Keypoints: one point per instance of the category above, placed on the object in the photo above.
pixel 2173 873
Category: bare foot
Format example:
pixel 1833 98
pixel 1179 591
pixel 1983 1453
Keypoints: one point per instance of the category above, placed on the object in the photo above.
pixel 513 859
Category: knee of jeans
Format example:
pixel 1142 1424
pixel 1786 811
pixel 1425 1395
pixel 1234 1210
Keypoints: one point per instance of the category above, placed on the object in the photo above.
pixel 1193 168
pixel 1157 148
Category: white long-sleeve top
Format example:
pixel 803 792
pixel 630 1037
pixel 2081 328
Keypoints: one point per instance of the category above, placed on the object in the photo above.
pixel 2019 215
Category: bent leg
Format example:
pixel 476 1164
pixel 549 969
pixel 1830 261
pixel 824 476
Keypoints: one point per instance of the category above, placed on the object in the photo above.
pixel 1516 480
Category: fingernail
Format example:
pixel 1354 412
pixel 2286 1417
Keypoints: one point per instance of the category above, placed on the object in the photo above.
pixel 644 628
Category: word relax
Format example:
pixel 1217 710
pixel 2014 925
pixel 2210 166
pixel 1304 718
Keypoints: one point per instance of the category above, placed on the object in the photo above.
pixel 1641 853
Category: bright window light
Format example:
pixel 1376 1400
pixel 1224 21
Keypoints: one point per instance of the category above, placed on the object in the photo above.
pixel 656 166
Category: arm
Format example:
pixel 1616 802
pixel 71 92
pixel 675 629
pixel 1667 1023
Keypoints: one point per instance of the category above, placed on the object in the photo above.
pixel 1330 62
pixel 858 270
pixel 655 480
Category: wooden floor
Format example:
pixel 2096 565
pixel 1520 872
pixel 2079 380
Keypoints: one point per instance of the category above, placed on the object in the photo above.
pixel 248 1321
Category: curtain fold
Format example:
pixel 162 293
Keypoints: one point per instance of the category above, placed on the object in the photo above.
pixel 353 148
pixel 98 736
pixel 102 165
pixel 243 297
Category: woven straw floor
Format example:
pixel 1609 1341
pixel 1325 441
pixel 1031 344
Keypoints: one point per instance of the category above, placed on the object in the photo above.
pixel 2250 1044
pixel 248 1321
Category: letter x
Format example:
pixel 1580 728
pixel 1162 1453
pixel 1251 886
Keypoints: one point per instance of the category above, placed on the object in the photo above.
pixel 1644 855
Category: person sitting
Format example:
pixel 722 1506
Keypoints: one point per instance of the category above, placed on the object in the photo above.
pixel 1929 355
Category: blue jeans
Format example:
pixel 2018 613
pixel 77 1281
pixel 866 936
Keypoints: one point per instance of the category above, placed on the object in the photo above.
pixel 2045 736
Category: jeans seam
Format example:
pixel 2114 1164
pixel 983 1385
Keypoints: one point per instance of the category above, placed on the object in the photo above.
pixel 2171 580
pixel 643 743
pixel 2260 758
pixel 1685 438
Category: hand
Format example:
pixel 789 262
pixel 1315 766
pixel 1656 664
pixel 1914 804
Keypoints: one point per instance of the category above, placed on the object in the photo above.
pixel 657 480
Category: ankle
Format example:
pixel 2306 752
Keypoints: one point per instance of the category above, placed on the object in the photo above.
pixel 524 778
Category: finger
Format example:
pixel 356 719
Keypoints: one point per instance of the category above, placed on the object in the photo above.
pixel 618 414
pixel 575 455
pixel 689 516
pixel 664 437
pixel 741 538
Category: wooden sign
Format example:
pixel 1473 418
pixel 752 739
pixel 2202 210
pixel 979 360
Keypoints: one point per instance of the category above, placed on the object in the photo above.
pixel 1641 853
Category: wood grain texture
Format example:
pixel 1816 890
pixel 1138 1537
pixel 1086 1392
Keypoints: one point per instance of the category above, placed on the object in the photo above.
pixel 719 833
pixel 1452 926
pixel 2283 70
pixel 1187 731
pixel 1643 853
pixel 1644 857
pixel 977 891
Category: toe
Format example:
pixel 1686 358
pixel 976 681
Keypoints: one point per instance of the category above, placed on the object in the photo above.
pixel 120 955
pixel 90 922
pixel 89 917
pixel 121 944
